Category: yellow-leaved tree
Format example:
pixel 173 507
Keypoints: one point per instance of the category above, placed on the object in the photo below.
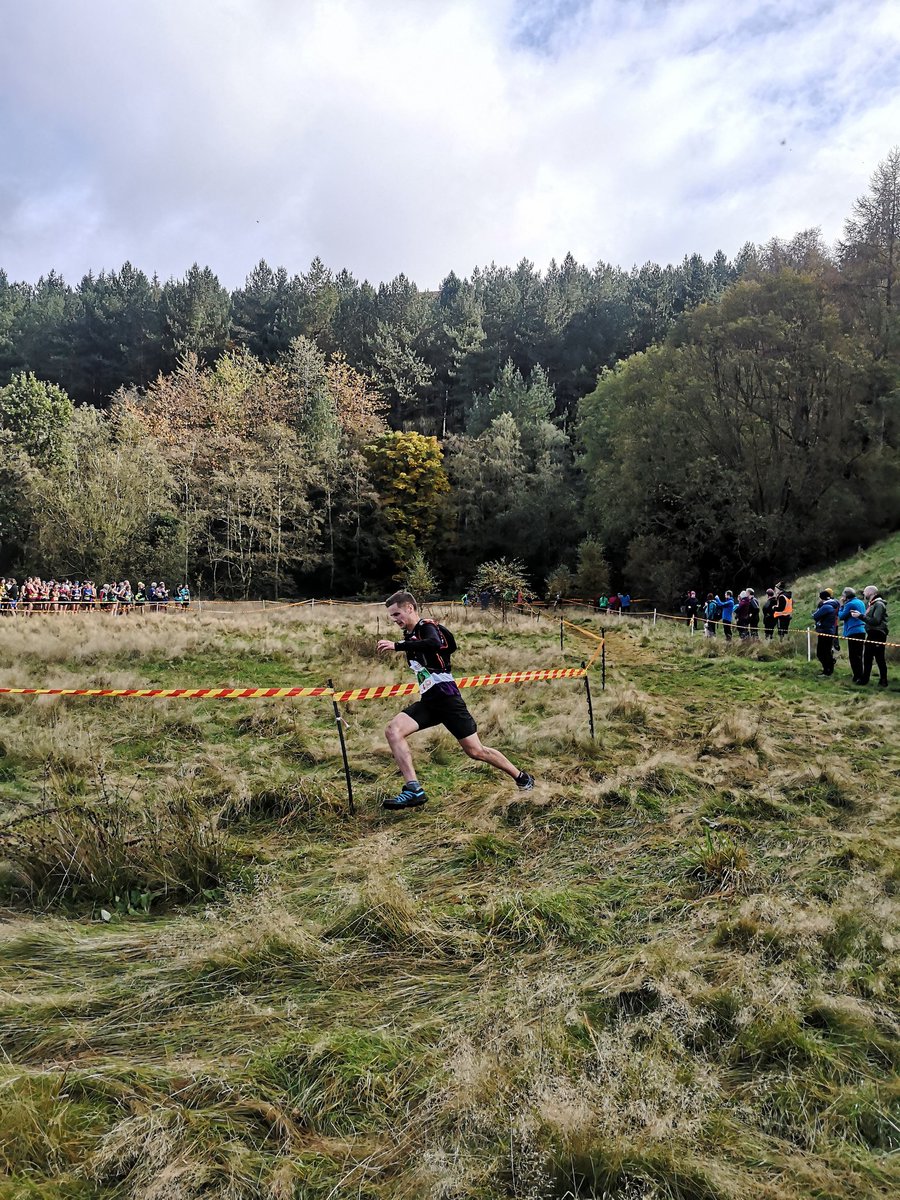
pixel 409 477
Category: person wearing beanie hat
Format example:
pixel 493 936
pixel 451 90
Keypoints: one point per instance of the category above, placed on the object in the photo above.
pixel 825 618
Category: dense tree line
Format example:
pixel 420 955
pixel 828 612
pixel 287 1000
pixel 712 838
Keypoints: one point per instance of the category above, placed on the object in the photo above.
pixel 311 431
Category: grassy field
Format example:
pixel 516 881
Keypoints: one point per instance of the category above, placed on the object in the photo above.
pixel 670 971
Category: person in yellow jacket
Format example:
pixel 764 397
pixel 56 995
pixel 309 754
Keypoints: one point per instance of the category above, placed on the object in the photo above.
pixel 784 608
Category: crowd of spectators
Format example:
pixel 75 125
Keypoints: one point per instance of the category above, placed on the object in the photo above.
pixel 36 595
pixel 861 623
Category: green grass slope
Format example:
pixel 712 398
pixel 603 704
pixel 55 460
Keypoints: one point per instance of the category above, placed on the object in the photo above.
pixel 670 971
pixel 879 564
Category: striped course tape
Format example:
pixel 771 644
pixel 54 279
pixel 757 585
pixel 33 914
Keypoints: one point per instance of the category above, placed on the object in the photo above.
pixel 381 692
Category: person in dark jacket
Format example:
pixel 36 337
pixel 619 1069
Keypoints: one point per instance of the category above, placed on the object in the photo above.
pixel 851 613
pixel 742 616
pixel 875 619
pixel 825 619
pixel 428 647
pixel 768 614
pixel 712 611
pixel 754 613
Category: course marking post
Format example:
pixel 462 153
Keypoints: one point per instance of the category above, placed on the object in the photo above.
pixel 561 633
pixel 587 688
pixel 654 616
pixel 808 645
pixel 603 660
pixel 339 721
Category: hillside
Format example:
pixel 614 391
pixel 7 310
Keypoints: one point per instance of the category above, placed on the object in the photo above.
pixel 669 971
pixel 878 564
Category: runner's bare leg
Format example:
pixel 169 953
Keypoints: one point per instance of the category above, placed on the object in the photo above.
pixel 400 728
pixel 473 747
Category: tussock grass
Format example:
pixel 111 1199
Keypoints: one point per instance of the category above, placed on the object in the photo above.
pixel 573 992
pixel 253 938
pixel 349 1081
pixel 630 708
pixel 383 912
pixel 111 851
pixel 543 917
pixel 736 731
pixel 719 865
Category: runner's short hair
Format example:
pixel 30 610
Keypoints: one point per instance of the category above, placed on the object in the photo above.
pixel 402 598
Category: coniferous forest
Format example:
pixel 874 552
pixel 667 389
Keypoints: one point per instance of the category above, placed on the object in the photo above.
pixel 701 423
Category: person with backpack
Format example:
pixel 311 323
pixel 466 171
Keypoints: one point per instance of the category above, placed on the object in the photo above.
pixel 742 616
pixel 712 610
pixel 825 621
pixel 875 619
pixel 851 613
pixel 428 647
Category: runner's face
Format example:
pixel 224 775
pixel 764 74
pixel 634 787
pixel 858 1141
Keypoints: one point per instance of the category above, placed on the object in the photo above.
pixel 403 615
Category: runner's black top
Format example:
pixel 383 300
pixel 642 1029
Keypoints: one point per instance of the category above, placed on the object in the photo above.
pixel 427 645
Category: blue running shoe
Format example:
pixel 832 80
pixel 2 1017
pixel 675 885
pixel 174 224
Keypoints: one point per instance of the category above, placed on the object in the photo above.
pixel 524 781
pixel 410 797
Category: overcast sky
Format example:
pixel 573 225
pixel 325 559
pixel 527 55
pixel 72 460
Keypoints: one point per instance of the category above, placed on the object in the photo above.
pixel 428 135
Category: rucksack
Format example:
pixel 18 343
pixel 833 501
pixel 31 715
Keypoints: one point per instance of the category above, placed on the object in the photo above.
pixel 449 639
pixel 713 610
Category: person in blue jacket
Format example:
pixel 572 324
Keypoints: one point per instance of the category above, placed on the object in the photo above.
pixel 728 615
pixel 825 618
pixel 851 614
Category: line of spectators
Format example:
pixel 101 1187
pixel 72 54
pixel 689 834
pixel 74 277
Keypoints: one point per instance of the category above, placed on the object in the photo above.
pixel 743 614
pixel 36 595
pixel 864 627
pixel 864 623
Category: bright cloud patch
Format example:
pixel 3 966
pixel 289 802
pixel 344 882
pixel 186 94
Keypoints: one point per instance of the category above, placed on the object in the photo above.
pixel 420 137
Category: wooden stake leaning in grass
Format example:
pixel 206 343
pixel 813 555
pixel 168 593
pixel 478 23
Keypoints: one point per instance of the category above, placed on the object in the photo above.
pixel 587 688
pixel 603 660
pixel 339 721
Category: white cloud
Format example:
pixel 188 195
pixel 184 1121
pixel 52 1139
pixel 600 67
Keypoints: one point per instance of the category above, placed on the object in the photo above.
pixel 425 135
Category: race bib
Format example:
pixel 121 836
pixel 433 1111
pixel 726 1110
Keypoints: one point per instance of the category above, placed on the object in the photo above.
pixel 423 677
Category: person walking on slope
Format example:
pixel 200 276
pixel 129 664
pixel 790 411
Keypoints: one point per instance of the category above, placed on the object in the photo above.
pixel 851 613
pixel 825 619
pixel 875 619
pixel 428 647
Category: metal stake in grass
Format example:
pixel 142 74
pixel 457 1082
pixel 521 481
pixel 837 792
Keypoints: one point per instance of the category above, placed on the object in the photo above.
pixel 339 721
pixel 587 688
pixel 561 633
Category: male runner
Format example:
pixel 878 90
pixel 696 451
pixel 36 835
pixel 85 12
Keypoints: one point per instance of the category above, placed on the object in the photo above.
pixel 440 703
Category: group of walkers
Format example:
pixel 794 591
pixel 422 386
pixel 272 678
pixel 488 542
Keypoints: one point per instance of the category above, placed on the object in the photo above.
pixel 744 614
pixel 38 595
pixel 862 623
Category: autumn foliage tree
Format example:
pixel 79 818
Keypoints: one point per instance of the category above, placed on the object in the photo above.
pixel 410 480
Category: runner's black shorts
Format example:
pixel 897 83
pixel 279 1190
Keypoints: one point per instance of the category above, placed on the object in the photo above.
pixel 449 711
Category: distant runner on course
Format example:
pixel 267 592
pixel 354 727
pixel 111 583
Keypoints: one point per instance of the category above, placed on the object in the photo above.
pixel 428 647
